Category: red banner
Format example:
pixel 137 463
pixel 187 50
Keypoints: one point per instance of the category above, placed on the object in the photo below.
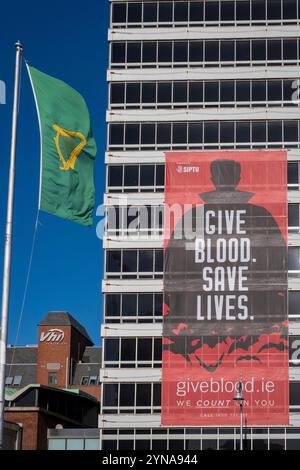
pixel 225 287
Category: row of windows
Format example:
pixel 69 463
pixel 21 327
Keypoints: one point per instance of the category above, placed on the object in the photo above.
pixel 129 396
pixel 148 264
pixel 141 397
pixel 203 134
pixel 203 52
pixel 89 380
pixel 126 178
pixel 194 12
pixel 223 439
pixel 147 352
pixel 132 352
pixel 13 381
pixel 134 220
pixel 133 308
pixel 149 220
pixel 134 264
pixel 203 93
pixel 151 178
pixel 148 307
pixel 73 444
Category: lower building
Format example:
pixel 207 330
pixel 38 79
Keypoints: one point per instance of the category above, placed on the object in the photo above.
pixel 37 408
pixel 54 384
pixel 12 436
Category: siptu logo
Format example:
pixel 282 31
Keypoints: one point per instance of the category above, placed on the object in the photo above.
pixel 52 336
pixel 2 92
pixel 187 169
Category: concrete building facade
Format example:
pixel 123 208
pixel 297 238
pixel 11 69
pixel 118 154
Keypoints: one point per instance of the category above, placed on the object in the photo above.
pixel 187 75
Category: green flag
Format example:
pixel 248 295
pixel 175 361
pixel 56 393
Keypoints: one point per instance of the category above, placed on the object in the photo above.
pixel 68 150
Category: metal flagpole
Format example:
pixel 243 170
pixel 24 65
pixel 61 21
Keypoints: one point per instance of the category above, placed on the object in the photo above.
pixel 8 241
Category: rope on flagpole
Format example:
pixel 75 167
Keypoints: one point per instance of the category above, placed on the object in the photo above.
pixel 34 239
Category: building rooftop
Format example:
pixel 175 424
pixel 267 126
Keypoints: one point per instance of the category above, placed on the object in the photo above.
pixel 65 319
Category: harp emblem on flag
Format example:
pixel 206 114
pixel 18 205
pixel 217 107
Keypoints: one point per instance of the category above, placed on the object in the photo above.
pixel 66 139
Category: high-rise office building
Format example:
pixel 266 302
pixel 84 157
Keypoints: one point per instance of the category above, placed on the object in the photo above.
pixel 187 75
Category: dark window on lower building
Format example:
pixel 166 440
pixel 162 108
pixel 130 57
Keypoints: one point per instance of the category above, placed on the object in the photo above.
pixel 52 378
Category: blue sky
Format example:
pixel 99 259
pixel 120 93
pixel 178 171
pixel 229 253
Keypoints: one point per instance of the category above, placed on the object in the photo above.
pixel 68 40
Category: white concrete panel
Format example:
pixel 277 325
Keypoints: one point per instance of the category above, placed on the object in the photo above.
pixel 202 73
pixel 198 32
pixel 207 114
pixel 135 285
pixel 131 330
pixel 108 375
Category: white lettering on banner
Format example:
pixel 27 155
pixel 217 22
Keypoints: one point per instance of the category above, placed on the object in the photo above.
pixel 224 278
pixel 52 336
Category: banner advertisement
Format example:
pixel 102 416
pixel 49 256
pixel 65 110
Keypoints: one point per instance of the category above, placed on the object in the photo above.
pixel 225 288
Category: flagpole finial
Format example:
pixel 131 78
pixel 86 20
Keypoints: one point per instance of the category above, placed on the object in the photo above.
pixel 19 45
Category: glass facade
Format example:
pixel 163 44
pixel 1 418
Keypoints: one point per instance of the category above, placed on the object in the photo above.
pixel 232 88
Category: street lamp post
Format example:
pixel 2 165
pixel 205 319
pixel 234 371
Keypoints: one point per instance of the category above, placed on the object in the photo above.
pixel 240 400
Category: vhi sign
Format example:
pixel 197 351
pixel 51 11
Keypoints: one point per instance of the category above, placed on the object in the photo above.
pixel 52 336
